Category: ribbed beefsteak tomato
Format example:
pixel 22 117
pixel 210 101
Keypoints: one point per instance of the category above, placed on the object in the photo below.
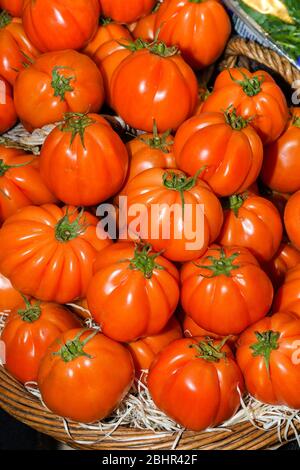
pixel 107 31
pixel 292 219
pixel 8 115
pixel 286 258
pixel 126 12
pixel 14 7
pixel 287 298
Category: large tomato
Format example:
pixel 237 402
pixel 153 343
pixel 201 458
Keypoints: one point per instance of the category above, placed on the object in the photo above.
pixel 145 27
pixel 48 252
pixel 179 214
pixel 55 25
pixel 146 349
pixel 8 116
pixel 20 182
pixel 107 31
pixel 16 51
pixel 83 161
pixel 286 257
pixel 134 291
pixel 253 222
pixel 56 83
pixel 14 7
pixel 196 382
pixel 225 291
pixel 126 12
pixel 10 298
pixel 191 329
pixel 268 355
pixel 199 28
pixel 288 296
pixel 254 95
pixel 292 219
pixel 281 168
pixel 28 333
pixel 223 143
pixel 154 83
pixel 85 375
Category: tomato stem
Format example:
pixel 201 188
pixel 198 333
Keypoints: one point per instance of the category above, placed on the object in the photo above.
pixel 236 201
pixel 74 348
pixel 209 350
pixel 61 84
pixel 76 123
pixel 267 342
pixel 234 121
pixel 251 86
pixel 158 141
pixel 144 261
pixel 105 21
pixel 31 312
pixel 4 168
pixel 296 121
pixel 65 230
pixel 220 266
pixel 5 19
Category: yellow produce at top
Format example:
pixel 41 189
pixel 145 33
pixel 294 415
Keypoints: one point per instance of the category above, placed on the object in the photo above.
pixel 271 7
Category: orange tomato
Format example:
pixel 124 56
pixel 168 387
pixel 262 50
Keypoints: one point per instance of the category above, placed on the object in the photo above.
pixel 48 252
pixel 287 298
pixel 133 293
pixel 225 146
pixel 107 31
pixel 10 298
pixel 145 27
pixel 14 7
pixel 292 218
pixel 126 12
pixel 225 290
pixel 56 83
pixel 8 116
pixel 191 329
pixel 196 382
pixel 85 375
pixel 286 258
pixel 20 182
pixel 254 95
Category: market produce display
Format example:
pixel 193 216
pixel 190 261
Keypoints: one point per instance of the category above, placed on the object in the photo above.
pixel 150 247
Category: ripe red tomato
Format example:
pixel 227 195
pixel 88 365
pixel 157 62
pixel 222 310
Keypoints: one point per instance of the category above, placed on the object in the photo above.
pixel 173 218
pixel 254 95
pixel 107 31
pixel 8 116
pixel 292 218
pixel 253 222
pixel 145 350
pixel 225 290
pixel 54 26
pixel 268 355
pixel 145 27
pixel 28 333
pixel 196 382
pixel 10 298
pixel 229 150
pixel 281 168
pixel 16 51
pixel 82 357
pixel 286 257
pixel 83 161
pixel 287 298
pixel 154 83
pixel 14 7
pixel 20 182
pixel 56 83
pixel 126 12
pixel 48 252
pixel 133 293
pixel 200 29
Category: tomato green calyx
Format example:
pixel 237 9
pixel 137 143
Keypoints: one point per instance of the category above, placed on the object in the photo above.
pixel 134 46
pixel 234 121
pixel 210 350
pixel 4 168
pixel 156 7
pixel 65 230
pixel 76 123
pixel 161 49
pixel 251 86
pixel 74 348
pixel 158 142
pixel 296 121
pixel 220 266
pixel 31 312
pixel 181 183
pixel 267 342
pixel 5 19
pixel 105 21
pixel 236 201
pixel 61 84
pixel 144 261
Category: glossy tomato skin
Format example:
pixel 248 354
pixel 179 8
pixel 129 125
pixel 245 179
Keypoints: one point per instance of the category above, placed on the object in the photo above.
pixel 287 298
pixel 229 301
pixel 146 86
pixel 253 222
pixel 145 27
pixel 126 12
pixel 54 26
pixel 14 7
pixel 22 185
pixel 191 228
pixel 231 158
pixel 267 107
pixel 292 218
pixel 279 386
pixel 15 48
pixel 26 342
pixel 127 303
pixel 8 115
pixel 281 167
pixel 107 31
pixel 191 329
pixel 204 393
pixel 200 29
pixel 145 350
pixel 286 258
pixel 10 298
pixel 37 85
pixel 107 368
pixel 87 171
pixel 48 251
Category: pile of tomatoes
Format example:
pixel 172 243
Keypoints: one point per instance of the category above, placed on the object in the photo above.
pixel 207 324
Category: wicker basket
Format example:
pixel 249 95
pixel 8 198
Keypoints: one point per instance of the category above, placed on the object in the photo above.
pixel 25 407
